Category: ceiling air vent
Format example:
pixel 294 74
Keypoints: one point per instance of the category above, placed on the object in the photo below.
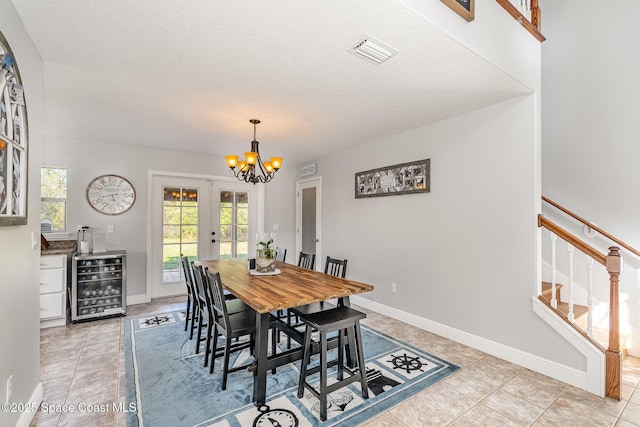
pixel 373 50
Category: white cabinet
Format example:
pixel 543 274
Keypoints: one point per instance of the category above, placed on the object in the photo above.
pixel 53 290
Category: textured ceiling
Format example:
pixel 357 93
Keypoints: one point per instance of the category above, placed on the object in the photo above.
pixel 189 75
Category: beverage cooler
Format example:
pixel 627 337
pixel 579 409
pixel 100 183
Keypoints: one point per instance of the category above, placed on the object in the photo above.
pixel 98 285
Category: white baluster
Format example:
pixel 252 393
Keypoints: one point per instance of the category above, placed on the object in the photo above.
pixel 570 314
pixel 590 297
pixel 554 272
pixel 524 7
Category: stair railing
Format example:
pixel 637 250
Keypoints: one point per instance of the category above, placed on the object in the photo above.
pixel 527 13
pixel 613 264
pixel 612 261
pixel 592 226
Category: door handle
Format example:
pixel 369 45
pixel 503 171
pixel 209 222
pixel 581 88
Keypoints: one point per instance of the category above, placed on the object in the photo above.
pixel 317 240
pixel 213 233
pixel 213 240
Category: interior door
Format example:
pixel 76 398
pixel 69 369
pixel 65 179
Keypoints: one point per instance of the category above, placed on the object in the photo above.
pixel 309 218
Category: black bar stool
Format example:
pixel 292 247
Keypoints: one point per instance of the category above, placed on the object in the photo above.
pixel 336 319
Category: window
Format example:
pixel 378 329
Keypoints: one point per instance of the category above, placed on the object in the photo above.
pixel 53 194
pixel 180 230
pixel 234 224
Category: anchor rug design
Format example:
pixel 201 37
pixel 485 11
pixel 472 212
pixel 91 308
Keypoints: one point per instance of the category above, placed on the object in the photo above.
pixel 168 385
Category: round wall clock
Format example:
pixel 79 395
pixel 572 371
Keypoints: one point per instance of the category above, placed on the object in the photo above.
pixel 111 194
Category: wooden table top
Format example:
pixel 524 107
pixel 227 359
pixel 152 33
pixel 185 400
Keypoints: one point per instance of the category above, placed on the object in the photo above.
pixel 294 286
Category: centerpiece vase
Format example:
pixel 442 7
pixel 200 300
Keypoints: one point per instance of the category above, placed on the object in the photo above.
pixel 265 253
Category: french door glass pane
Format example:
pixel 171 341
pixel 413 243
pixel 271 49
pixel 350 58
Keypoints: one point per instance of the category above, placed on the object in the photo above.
pixel 234 224
pixel 180 230
pixel 226 250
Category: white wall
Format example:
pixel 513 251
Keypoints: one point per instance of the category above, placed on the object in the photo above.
pixel 280 208
pixel 463 255
pixel 590 111
pixel 493 34
pixel 19 264
pixel 86 160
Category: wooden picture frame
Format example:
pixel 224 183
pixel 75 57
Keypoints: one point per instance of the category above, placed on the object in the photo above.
pixel 464 8
pixel 403 178
pixel 14 134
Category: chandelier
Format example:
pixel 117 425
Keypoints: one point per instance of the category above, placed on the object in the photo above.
pixel 253 169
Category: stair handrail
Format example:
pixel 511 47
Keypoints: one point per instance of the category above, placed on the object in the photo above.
pixel 613 263
pixel 532 26
pixel 570 238
pixel 592 226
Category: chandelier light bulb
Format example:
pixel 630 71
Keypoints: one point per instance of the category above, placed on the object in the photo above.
pixel 232 161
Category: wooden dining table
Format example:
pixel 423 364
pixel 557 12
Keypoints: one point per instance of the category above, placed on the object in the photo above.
pixel 293 286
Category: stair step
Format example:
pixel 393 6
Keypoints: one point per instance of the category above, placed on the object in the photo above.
pixel 580 314
pixel 578 310
pixel 547 290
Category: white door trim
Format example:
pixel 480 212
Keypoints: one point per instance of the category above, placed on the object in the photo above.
pixel 151 175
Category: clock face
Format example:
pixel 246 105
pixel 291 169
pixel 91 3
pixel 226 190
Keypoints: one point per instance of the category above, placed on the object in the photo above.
pixel 111 194
pixel 275 418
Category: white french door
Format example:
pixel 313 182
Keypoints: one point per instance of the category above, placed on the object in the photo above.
pixel 198 218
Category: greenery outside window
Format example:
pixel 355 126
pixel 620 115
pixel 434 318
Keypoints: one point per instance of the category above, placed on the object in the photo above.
pixel 180 230
pixel 53 195
pixel 234 224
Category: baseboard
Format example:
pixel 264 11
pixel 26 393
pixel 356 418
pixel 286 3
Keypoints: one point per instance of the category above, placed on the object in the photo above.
pixel 34 401
pixel 136 299
pixel 547 367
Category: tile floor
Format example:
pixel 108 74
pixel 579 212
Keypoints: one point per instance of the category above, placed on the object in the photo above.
pixel 85 363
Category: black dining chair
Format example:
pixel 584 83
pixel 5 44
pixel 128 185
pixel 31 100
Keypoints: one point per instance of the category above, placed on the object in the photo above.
pixel 333 266
pixel 281 254
pixel 336 267
pixel 338 319
pixel 206 310
pixel 230 326
pixel 307 260
pixel 193 306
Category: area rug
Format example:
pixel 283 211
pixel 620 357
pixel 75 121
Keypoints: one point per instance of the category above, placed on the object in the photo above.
pixel 167 385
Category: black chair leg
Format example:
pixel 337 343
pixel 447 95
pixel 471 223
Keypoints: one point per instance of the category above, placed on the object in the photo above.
pixel 363 369
pixel 187 313
pixel 215 348
pixel 199 334
pixel 323 375
pixel 194 316
pixel 305 361
pixel 207 346
pixel 341 336
pixel 274 347
pixel 225 364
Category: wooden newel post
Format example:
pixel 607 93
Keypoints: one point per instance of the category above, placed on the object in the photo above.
pixel 614 355
pixel 536 15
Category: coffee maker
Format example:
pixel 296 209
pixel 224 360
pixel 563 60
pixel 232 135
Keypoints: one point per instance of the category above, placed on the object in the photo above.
pixel 85 240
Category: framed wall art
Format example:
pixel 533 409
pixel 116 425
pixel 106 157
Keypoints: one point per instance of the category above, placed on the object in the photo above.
pixel 464 8
pixel 13 141
pixel 404 178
